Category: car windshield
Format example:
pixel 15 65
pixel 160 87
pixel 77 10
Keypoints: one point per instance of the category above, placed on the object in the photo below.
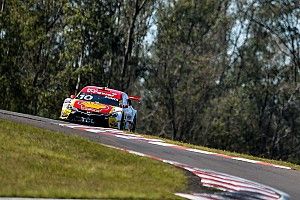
pixel 98 98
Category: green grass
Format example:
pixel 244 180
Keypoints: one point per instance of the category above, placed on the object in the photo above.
pixel 40 163
pixel 276 162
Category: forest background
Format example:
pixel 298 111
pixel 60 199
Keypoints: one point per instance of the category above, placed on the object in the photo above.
pixel 223 74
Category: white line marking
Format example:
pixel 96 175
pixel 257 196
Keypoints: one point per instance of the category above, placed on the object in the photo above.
pixel 280 166
pixel 125 137
pixel 163 144
pixel 73 126
pixel 240 187
pixel 95 130
pixel 244 159
pixel 201 151
pixel 137 153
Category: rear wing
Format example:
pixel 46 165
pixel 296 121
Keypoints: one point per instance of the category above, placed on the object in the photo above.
pixel 135 98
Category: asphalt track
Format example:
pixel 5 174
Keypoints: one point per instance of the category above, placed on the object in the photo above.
pixel 285 180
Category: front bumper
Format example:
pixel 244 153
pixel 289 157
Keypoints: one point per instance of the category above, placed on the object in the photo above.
pixel 89 118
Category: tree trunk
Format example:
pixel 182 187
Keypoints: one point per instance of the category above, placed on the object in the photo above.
pixel 130 41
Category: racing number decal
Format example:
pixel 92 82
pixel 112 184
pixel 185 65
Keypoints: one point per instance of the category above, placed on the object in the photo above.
pixel 85 97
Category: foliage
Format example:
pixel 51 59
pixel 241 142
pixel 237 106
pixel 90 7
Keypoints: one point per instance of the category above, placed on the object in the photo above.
pixel 224 74
pixel 50 49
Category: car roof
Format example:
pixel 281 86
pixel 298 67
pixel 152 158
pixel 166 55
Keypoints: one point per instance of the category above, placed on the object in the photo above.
pixel 103 91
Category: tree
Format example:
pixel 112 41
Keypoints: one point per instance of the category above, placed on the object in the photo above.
pixel 184 71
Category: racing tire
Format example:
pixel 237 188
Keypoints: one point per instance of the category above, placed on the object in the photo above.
pixel 122 123
pixel 133 125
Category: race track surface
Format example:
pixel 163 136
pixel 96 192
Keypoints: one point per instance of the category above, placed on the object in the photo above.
pixel 285 180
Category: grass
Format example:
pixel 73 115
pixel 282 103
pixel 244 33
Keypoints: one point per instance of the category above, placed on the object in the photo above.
pixel 41 163
pixel 276 162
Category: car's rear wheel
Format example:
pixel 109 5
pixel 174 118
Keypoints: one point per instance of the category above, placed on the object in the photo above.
pixel 133 126
pixel 122 122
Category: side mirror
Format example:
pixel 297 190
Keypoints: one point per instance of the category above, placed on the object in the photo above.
pixel 72 96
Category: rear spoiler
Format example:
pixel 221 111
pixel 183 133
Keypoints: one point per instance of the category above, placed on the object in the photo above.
pixel 135 98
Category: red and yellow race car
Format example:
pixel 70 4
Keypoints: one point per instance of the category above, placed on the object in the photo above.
pixel 101 106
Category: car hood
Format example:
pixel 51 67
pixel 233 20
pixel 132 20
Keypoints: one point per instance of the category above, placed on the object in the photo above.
pixel 94 107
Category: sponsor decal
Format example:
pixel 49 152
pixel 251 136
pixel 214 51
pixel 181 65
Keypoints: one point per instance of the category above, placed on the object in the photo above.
pixel 112 98
pixel 112 95
pixel 93 107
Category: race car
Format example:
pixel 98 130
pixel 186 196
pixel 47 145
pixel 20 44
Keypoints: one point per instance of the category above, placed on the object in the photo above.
pixel 101 106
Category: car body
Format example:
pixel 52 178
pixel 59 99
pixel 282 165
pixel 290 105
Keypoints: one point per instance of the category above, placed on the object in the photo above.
pixel 101 106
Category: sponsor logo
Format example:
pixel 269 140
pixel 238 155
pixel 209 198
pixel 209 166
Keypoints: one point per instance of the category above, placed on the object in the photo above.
pixel 87 120
pixel 93 107
pixel 96 91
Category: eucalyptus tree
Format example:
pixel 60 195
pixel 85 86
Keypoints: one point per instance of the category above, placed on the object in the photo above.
pixel 28 54
pixel 263 73
pixel 185 65
pixel 52 48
